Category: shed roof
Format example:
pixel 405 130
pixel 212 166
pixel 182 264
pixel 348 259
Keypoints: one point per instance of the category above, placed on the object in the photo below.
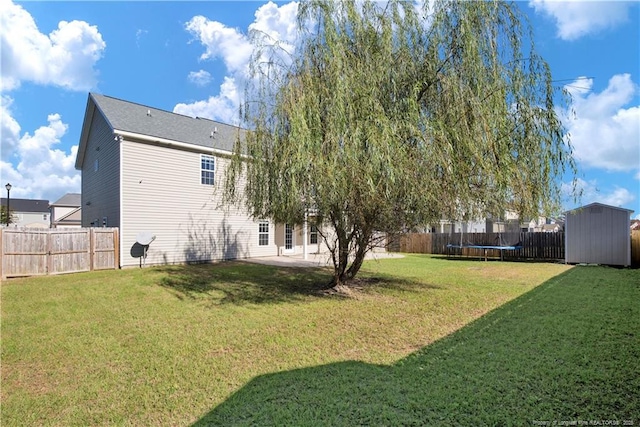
pixel 573 211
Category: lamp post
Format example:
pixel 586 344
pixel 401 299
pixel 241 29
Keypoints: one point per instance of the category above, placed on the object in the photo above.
pixel 8 187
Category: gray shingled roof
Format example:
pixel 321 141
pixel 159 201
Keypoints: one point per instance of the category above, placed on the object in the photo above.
pixel 26 205
pixel 136 118
pixel 69 199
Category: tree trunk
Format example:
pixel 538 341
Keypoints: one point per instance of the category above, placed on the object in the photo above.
pixel 343 272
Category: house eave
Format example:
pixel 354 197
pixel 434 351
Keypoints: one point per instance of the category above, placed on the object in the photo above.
pixel 597 204
pixel 132 136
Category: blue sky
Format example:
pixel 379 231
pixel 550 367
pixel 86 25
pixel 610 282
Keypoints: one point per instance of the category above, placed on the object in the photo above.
pixel 191 58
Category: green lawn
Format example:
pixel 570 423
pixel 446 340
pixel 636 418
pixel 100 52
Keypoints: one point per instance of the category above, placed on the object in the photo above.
pixel 421 341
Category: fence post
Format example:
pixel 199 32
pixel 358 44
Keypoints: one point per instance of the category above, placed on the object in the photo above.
pixel 116 248
pixel 92 248
pixel 2 254
pixel 635 248
pixel 49 258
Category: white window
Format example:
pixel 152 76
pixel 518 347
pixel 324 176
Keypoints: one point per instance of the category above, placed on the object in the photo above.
pixel 313 235
pixel 207 169
pixel 263 233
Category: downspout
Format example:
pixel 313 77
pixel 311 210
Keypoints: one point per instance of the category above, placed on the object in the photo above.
pixel 121 199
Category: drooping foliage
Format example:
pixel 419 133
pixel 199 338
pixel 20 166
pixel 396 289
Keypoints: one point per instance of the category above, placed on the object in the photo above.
pixel 385 117
pixel 6 216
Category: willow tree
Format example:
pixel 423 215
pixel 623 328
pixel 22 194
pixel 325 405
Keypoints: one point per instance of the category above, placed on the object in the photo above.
pixel 385 117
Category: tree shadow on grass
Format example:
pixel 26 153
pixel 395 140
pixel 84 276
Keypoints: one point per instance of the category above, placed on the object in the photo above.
pixel 238 282
pixel 544 356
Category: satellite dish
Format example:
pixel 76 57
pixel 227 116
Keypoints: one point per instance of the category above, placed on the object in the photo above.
pixel 144 239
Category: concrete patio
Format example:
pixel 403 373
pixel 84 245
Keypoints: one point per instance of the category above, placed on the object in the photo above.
pixel 313 260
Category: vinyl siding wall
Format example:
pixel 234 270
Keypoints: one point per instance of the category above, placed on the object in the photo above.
pixel 30 219
pixel 100 189
pixel 162 194
pixel 598 235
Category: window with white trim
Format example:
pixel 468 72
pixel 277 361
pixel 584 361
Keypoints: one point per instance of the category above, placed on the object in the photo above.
pixel 263 233
pixel 313 235
pixel 207 169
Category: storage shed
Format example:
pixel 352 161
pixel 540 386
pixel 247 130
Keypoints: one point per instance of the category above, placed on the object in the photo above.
pixel 598 234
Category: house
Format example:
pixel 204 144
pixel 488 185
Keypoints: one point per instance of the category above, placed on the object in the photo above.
pixel 31 213
pixel 598 234
pixel 550 228
pixel 158 176
pixel 66 212
pixel 635 224
pixel 510 223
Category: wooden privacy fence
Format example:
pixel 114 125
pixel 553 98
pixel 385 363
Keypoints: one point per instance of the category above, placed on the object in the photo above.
pixel 540 246
pixel 32 251
pixel 635 248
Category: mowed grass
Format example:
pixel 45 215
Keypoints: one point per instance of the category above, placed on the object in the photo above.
pixel 244 344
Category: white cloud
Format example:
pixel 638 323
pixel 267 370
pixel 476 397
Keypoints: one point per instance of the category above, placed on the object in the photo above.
pixel 220 41
pixel 9 128
pixel 279 24
pixel 275 23
pixel 591 192
pixel 223 107
pixel 66 57
pixel 43 170
pixel 199 78
pixel 577 18
pixel 139 33
pixel 604 134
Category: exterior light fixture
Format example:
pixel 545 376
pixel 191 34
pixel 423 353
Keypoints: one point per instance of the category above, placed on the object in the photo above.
pixel 8 187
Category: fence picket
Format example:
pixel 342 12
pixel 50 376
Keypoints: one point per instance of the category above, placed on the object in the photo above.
pixel 30 252
pixel 542 246
pixel 635 248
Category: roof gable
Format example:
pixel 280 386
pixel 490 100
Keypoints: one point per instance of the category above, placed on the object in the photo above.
pixel 73 217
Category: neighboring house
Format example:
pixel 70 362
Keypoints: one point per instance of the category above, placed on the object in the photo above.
pixel 550 228
pixel 449 227
pixel 32 213
pixel 509 224
pixel 66 212
pixel 635 224
pixel 157 173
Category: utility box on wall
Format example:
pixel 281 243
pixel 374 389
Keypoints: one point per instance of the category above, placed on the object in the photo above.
pixel 598 234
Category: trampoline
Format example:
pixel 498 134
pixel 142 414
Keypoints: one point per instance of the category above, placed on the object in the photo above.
pixel 500 247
